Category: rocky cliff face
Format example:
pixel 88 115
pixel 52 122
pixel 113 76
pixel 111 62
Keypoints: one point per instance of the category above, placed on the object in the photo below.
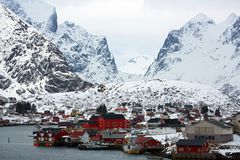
pixel 29 63
pixel 87 55
pixel 201 51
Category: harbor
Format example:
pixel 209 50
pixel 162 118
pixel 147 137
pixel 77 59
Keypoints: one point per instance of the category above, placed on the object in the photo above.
pixel 21 144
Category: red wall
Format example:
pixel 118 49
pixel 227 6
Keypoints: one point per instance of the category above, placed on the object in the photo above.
pixel 59 134
pixel 193 149
pixel 103 124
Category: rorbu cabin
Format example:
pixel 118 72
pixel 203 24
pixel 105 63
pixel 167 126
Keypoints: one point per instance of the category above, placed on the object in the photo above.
pixel 192 146
pixel 148 143
pixel 193 149
pixel 49 136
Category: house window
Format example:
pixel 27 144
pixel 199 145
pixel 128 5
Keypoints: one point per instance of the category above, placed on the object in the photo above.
pixel 181 149
pixel 50 139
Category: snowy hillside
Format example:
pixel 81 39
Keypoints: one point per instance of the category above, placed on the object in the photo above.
pixel 35 12
pixel 88 55
pixel 29 63
pixel 202 51
pixel 148 93
pixel 137 65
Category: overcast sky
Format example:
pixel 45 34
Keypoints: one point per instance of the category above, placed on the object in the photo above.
pixel 138 27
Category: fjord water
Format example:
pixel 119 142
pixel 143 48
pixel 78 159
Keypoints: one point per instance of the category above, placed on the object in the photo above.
pixel 20 147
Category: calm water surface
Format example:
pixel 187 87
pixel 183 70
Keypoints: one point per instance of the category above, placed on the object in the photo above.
pixel 21 148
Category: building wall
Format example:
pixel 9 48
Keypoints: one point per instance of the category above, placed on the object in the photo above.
pixel 1 110
pixel 165 130
pixel 152 144
pixel 112 123
pixel 192 149
pixel 212 138
pixel 209 132
pixel 205 127
pixel 236 123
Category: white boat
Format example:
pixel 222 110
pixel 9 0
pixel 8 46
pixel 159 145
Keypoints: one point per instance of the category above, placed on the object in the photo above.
pixel 93 146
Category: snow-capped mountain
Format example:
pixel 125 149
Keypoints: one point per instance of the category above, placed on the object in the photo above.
pixel 137 65
pixel 88 55
pixel 29 63
pixel 202 51
pixel 35 12
pixel 149 93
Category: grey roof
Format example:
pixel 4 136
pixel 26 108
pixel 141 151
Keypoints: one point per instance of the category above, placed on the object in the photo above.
pixel 219 124
pixel 53 130
pixel 113 116
pixel 154 120
pixel 190 142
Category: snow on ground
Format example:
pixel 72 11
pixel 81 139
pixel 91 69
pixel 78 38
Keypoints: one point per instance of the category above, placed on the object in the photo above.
pixel 148 93
pixel 235 142
pixel 230 147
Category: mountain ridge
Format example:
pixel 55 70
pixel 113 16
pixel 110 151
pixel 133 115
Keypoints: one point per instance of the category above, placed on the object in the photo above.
pixel 186 54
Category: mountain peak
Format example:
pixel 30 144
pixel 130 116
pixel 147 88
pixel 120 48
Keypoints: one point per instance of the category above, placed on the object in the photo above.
pixel 232 18
pixel 31 64
pixel 201 17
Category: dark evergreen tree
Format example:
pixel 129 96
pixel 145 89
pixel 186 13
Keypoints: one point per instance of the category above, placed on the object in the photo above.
pixel 34 108
pixel 204 109
pixel 23 107
pixel 102 109
pixel 217 112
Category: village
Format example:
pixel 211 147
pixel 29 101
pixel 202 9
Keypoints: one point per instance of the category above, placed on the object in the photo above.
pixel 186 132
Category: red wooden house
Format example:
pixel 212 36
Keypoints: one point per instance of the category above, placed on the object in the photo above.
pixel 107 121
pixel 186 146
pixel 49 137
pixel 148 143
pixel 121 110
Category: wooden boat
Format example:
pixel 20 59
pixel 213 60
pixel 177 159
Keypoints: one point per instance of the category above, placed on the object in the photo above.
pixel 132 149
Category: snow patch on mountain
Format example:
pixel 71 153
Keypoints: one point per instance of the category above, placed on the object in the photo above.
pixel 137 65
pixel 35 12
